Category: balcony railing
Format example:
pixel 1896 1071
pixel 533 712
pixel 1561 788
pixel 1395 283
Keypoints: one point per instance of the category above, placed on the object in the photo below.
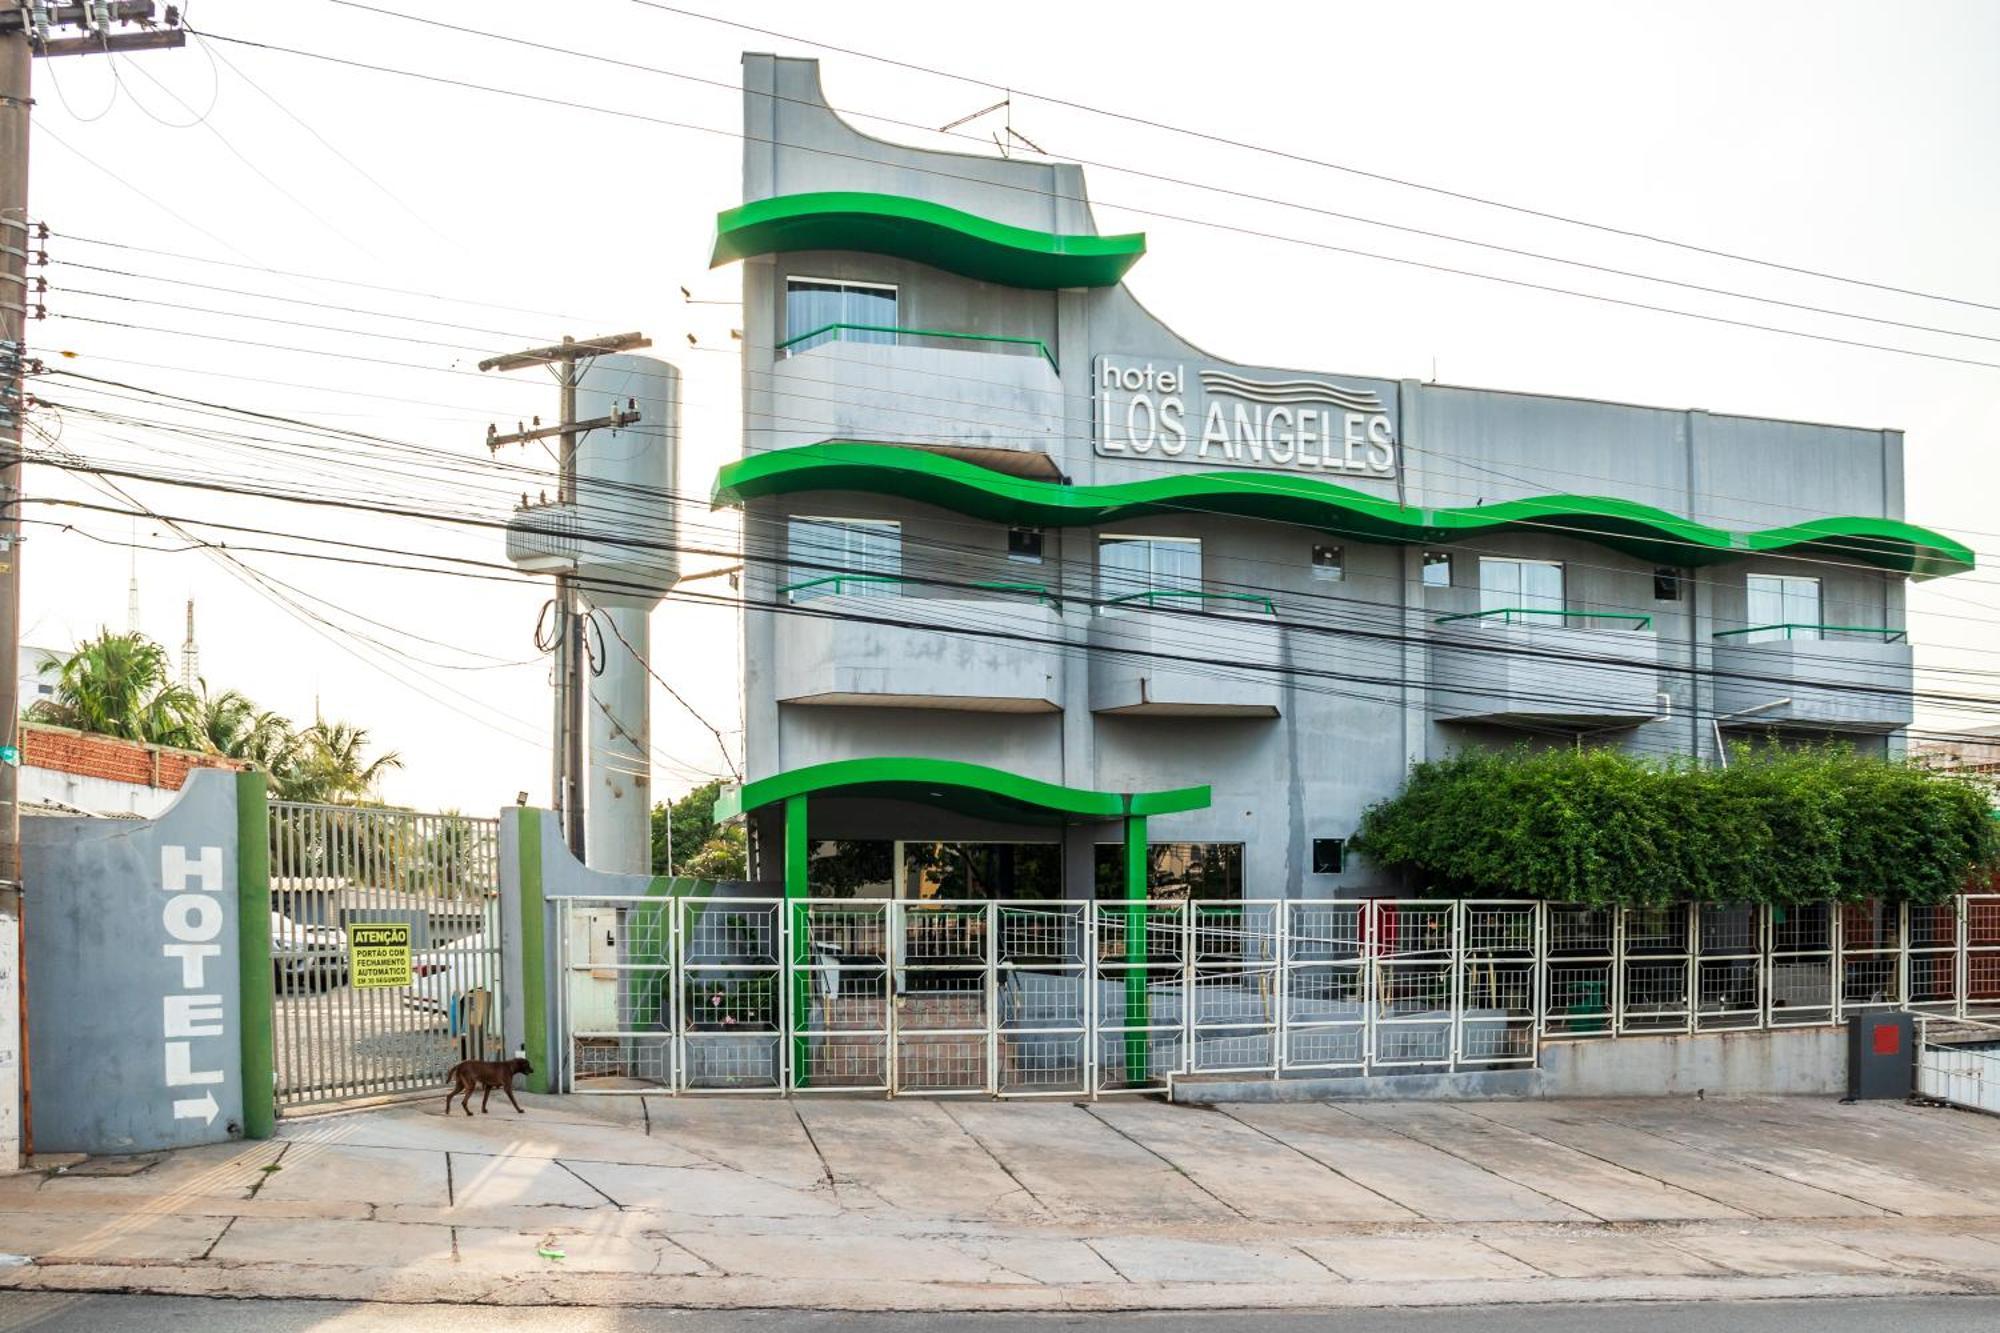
pixel 1507 615
pixel 838 584
pixel 1153 595
pixel 1878 632
pixel 913 337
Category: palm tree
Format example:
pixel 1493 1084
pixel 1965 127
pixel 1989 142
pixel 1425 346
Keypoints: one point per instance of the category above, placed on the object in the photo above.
pixel 232 725
pixel 121 685
pixel 329 765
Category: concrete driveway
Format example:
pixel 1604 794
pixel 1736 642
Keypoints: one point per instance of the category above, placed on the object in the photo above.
pixel 1032 1206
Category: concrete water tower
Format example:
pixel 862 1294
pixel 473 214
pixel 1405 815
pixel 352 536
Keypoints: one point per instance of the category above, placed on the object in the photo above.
pixel 613 533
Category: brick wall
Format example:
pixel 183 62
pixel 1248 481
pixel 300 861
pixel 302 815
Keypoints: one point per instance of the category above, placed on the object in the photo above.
pixel 64 751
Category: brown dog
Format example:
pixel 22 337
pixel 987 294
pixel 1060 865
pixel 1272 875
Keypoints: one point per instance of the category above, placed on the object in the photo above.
pixel 470 1075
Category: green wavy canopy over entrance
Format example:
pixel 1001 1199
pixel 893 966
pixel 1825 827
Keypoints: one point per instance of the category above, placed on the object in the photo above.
pixel 1623 525
pixel 946 238
pixel 971 788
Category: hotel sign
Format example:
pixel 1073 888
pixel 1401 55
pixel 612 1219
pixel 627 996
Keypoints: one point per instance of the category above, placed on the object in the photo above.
pixel 1218 415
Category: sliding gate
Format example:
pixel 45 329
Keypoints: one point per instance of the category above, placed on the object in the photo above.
pixel 385 949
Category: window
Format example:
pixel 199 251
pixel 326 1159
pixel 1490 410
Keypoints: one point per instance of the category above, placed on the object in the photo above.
pixel 1127 565
pixel 1666 584
pixel 825 551
pixel 845 869
pixel 1437 569
pixel 1025 544
pixel 1520 585
pixel 956 871
pixel 1328 564
pixel 1780 600
pixel 1176 871
pixel 811 304
pixel 1329 856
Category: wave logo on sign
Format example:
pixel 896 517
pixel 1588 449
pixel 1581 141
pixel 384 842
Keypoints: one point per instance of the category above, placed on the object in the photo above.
pixel 1221 416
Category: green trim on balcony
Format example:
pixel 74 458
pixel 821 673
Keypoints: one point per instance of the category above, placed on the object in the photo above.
pixel 1152 595
pixel 971 788
pixel 1883 632
pixel 946 238
pixel 1651 534
pixel 1036 343
pixel 1639 623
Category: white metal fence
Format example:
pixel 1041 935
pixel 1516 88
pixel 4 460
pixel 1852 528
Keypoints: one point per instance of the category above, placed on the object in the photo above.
pixel 1022 999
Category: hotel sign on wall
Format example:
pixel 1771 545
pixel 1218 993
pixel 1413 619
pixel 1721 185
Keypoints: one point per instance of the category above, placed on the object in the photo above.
pixel 1221 416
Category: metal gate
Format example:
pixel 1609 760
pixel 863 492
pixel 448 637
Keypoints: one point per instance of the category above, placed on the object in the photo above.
pixel 334 869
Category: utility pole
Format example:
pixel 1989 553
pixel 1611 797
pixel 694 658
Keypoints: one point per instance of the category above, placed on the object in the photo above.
pixel 26 33
pixel 571 725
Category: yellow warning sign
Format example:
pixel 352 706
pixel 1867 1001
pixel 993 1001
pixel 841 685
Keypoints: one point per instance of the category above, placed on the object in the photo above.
pixel 378 955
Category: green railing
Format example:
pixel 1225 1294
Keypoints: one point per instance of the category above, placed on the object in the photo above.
pixel 838 584
pixel 1155 594
pixel 900 333
pixel 1882 632
pixel 1638 622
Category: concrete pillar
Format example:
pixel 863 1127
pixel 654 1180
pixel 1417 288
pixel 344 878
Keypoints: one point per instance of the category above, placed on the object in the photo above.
pixel 617 825
pixel 1138 1007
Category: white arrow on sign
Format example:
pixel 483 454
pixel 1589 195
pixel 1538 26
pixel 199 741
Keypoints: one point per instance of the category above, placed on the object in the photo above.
pixel 202 1108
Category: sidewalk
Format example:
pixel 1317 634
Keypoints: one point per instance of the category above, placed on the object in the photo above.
pixel 1040 1206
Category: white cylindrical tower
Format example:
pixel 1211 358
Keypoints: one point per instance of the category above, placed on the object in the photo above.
pixel 626 486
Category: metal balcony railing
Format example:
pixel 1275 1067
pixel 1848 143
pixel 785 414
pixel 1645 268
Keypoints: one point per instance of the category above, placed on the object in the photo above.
pixel 906 337
pixel 1882 632
pixel 1507 614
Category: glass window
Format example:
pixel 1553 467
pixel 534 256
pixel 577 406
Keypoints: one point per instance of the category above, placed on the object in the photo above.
pixel 1528 585
pixel 957 871
pixel 812 304
pixel 1329 856
pixel 1329 564
pixel 1666 584
pixel 1147 564
pixel 824 548
pixel 1176 871
pixel 838 868
pixel 1781 600
pixel 1025 544
pixel 1437 569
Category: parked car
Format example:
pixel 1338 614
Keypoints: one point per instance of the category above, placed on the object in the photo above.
pixel 440 975
pixel 306 958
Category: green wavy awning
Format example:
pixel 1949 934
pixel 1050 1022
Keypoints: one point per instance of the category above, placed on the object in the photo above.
pixel 946 238
pixel 972 788
pixel 1624 525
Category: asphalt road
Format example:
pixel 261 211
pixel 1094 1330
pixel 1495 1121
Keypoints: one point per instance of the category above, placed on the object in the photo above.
pixel 150 1314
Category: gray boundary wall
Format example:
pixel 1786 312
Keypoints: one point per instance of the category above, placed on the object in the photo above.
pixel 135 1014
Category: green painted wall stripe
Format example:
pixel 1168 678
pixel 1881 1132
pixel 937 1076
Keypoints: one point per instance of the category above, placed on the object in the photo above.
pixel 253 951
pixel 1623 525
pixel 930 233
pixel 534 978
pixel 934 773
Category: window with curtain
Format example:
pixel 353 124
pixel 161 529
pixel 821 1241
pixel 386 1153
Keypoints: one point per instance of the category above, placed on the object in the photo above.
pixel 1780 600
pixel 1529 585
pixel 1148 564
pixel 821 548
pixel 812 304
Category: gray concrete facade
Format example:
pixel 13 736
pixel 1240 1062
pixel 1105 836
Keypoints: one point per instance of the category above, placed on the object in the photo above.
pixel 1299 721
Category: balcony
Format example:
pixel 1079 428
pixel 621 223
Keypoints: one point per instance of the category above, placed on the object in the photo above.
pixel 1524 665
pixel 1838 677
pixel 840 653
pixel 920 386
pixel 1178 653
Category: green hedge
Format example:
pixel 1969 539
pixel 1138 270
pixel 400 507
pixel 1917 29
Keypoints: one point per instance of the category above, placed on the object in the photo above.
pixel 1600 826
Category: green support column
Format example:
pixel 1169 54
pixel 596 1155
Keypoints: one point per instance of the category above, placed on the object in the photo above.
pixel 253 951
pixel 1138 1006
pixel 797 890
pixel 534 958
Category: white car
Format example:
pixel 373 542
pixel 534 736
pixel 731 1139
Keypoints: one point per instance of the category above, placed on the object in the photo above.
pixel 306 958
pixel 440 975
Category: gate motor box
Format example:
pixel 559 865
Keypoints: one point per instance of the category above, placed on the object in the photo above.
pixel 1881 1056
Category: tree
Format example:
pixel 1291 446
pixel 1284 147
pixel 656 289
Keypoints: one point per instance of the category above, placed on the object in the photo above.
pixel 724 856
pixel 121 685
pixel 329 766
pixel 232 725
pixel 692 819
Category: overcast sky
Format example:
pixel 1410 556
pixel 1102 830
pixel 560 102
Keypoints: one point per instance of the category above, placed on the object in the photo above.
pixel 1852 138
